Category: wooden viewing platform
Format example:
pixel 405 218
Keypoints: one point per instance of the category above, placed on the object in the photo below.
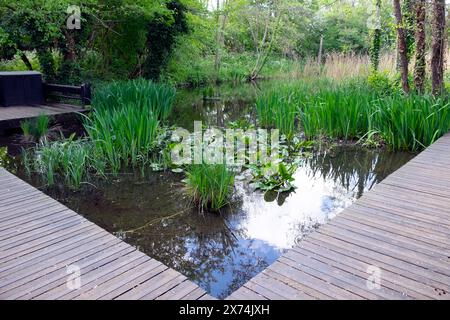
pixel 11 117
pixel 40 238
pixel 400 228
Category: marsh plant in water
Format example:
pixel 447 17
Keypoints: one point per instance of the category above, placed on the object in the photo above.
pixel 353 110
pixel 124 129
pixel 36 129
pixel 143 94
pixel 126 121
pixel 5 159
pixel 209 185
pixel 277 109
pixel 69 159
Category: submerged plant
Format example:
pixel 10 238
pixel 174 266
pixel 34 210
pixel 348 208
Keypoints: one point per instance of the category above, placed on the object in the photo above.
pixel 209 185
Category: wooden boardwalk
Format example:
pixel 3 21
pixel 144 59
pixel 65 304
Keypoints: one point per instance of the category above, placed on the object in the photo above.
pixel 400 230
pixel 10 117
pixel 41 240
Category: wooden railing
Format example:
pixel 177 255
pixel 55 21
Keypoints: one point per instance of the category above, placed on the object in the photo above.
pixel 81 93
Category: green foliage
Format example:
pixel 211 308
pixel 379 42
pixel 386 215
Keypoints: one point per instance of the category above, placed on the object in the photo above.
pixel 5 160
pixel 354 110
pixel 276 108
pixel 273 176
pixel 123 130
pixel 210 186
pixel 143 95
pixel 69 159
pixel 375 48
pixel 125 121
pixel 411 122
pixel 381 82
pixel 36 129
pixel 123 137
pixel 409 17
pixel 129 38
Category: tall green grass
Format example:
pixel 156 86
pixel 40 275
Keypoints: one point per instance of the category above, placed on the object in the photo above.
pixel 121 131
pixel 353 111
pixel 125 120
pixel 337 112
pixel 36 129
pixel 277 109
pixel 412 122
pixel 123 136
pixel 69 159
pixel 143 95
pixel 210 186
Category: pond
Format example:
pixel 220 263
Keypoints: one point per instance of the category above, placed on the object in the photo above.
pixel 220 252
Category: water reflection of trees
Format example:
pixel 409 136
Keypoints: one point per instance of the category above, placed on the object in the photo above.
pixel 355 168
pixel 210 249
pixel 236 102
pixel 202 247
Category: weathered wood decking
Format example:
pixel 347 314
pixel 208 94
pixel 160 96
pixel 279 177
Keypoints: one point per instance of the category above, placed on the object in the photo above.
pixel 402 227
pixel 10 117
pixel 40 238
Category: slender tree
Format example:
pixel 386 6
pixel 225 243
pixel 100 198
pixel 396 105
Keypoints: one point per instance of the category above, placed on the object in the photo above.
pixel 437 47
pixel 420 63
pixel 409 11
pixel 375 47
pixel 402 51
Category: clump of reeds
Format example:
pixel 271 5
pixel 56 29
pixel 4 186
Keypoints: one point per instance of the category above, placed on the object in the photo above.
pixel 209 185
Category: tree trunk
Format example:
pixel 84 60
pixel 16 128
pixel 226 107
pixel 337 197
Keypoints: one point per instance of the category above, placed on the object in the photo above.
pixel 420 64
pixel 401 46
pixel 408 21
pixel 319 55
pixel 437 47
pixel 375 47
pixel 25 60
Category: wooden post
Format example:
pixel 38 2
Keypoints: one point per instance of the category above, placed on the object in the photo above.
pixel 85 94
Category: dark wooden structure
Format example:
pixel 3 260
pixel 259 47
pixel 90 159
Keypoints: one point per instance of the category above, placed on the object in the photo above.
pixel 23 96
pixel 21 88
pixel 42 243
pixel 80 93
pixel 393 243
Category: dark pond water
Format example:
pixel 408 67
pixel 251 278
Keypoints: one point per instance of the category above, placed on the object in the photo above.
pixel 220 252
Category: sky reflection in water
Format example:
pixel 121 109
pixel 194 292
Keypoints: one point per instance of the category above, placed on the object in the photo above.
pixel 222 252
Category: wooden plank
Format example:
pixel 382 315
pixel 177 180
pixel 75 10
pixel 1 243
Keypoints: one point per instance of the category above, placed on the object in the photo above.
pixel 388 290
pixel 151 285
pixel 59 277
pixel 40 237
pixel 91 279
